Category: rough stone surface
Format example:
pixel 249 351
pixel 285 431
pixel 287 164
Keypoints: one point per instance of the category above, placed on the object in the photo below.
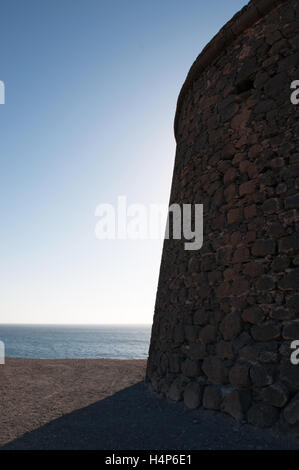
pixel 176 389
pixel 239 375
pixel 291 412
pixel 276 395
pixel 261 375
pixel 225 315
pixel 193 395
pixel 237 403
pixel 212 398
pixel 215 370
pixel 191 368
pixel 262 415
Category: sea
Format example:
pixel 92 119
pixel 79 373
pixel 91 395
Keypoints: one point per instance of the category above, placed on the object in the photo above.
pixel 76 341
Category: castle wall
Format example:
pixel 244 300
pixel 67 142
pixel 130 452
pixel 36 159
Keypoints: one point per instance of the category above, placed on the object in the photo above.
pixel 225 315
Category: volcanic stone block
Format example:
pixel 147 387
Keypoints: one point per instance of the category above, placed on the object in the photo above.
pixel 275 395
pixel 215 370
pixel 224 255
pixel 201 317
pixel 236 403
pixel 290 280
pixel 234 216
pixel 264 247
pixel 265 283
pixel 282 313
pixel 262 415
pixel 212 398
pixel 292 202
pixel 174 363
pixel 289 375
pixel 266 331
pixel 253 315
pixel 191 333
pixel 289 244
pixel 261 375
pixel 241 255
pixel 230 175
pixel 242 340
pixel 197 351
pixel 253 269
pixel 191 368
pixel 231 326
pixel 293 301
pixel 178 334
pixel 224 350
pixel 291 330
pixel 176 390
pixel 208 334
pixel 291 411
pixel 250 211
pixel 239 375
pixel 193 395
pixel 271 206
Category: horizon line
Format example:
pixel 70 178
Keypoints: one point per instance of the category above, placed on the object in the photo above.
pixel 76 324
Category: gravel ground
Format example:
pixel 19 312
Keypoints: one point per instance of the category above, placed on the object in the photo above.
pixel 104 404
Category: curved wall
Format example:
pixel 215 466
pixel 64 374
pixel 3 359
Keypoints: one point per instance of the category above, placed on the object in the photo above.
pixel 225 315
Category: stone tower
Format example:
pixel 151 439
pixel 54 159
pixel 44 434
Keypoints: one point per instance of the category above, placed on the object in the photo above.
pixel 226 315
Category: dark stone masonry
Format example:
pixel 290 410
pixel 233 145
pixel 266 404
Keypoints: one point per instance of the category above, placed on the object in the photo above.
pixel 226 315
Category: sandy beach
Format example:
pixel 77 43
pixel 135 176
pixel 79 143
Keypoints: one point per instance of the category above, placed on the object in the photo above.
pixel 105 404
pixel 34 392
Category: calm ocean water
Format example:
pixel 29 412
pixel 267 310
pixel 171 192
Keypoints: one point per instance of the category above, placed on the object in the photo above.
pixel 88 341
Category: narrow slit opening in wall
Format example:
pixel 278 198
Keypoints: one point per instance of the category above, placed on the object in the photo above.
pixel 245 86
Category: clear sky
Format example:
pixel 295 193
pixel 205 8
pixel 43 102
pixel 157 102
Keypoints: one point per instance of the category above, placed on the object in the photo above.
pixel 91 90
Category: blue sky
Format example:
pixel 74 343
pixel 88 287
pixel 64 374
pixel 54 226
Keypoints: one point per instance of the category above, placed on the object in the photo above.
pixel 91 90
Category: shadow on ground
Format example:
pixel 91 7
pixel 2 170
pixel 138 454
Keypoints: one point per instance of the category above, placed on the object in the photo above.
pixel 135 418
